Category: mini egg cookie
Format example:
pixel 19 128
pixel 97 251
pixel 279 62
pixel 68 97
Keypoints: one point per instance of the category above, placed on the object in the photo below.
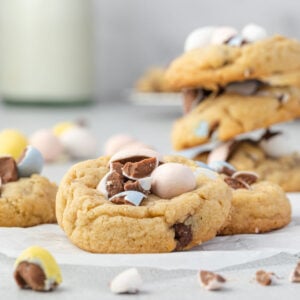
pixel 26 198
pixel 140 202
pixel 214 65
pixel 257 207
pixel 222 117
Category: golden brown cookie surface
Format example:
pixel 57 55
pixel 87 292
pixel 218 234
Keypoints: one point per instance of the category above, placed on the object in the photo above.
pixel 159 225
pixel 218 65
pixel 27 202
pixel 263 208
pixel 227 115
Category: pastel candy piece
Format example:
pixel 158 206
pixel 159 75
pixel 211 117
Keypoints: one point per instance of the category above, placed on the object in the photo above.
pixel 136 152
pixel 128 281
pixel 133 197
pixel 79 142
pixel 252 33
pixel 47 143
pixel 220 153
pixel 12 143
pixel 203 165
pixel 117 142
pixel 31 163
pixel 145 183
pixel 199 38
pixel 101 187
pixel 172 179
pixel 42 258
pixel 62 127
pixel 222 34
pixel 236 41
pixel 218 166
pixel 277 145
pixel 246 88
pixel 206 172
pixel 202 130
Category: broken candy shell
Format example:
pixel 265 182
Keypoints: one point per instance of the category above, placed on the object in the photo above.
pixel 134 197
pixel 117 142
pixel 12 143
pixel 223 34
pixel 211 281
pixel 220 153
pixel 236 41
pixel 45 261
pixel 218 166
pixel 172 179
pixel 140 152
pixel 252 33
pixel 79 142
pixel 128 281
pixel 31 163
pixel 199 38
pixel 47 143
pixel 246 177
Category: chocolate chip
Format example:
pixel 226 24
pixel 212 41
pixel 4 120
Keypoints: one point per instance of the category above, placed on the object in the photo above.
pixel 121 201
pixel 114 184
pixel 235 184
pixel 8 169
pixel 29 275
pixel 183 235
pixel 140 169
pixel 263 277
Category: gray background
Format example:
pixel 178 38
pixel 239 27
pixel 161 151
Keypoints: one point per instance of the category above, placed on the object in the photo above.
pixel 132 35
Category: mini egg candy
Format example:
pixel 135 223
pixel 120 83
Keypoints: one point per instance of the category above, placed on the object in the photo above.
pixel 12 143
pixel 48 144
pixel 223 34
pixel 252 33
pixel 117 142
pixel 133 197
pixel 31 162
pixel 172 179
pixel 37 269
pixel 63 127
pixel 79 142
pixel 199 38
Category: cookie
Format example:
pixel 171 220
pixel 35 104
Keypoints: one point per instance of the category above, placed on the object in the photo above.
pixel 98 216
pixel 283 170
pixel 262 208
pixel 27 202
pixel 217 65
pixel 222 117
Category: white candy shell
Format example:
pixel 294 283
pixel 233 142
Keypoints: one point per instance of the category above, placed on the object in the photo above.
pixel 31 163
pixel 133 197
pixel 277 145
pixel 138 152
pixel 222 34
pixel 172 179
pixel 101 187
pixel 252 33
pixel 79 142
pixel 199 38
pixel 220 153
pixel 217 166
pixel 128 281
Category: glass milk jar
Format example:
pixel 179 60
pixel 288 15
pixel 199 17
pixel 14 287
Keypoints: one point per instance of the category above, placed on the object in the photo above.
pixel 46 50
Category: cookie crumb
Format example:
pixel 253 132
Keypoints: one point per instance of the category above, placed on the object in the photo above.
pixel 295 276
pixel 263 277
pixel 211 281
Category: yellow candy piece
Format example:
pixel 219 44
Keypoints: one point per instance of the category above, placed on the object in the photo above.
pixel 43 258
pixel 12 142
pixel 62 127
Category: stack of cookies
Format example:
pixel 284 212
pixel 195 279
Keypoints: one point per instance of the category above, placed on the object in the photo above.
pixel 235 83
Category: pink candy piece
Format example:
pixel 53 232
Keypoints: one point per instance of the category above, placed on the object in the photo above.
pixel 172 179
pixel 47 143
pixel 117 142
pixel 220 153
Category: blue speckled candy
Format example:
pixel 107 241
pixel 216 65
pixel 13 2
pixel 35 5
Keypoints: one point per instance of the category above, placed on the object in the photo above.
pixel 217 166
pixel 31 163
pixel 133 197
pixel 202 129
pixel 206 172
pixel 236 41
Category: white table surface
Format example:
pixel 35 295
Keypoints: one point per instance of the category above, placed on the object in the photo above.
pixel 151 124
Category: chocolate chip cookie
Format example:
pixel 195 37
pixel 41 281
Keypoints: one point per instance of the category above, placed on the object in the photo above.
pixel 112 204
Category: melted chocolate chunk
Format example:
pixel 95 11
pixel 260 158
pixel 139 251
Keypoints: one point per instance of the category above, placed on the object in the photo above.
pixel 117 167
pixel 121 200
pixel 140 169
pixel 8 169
pixel 29 275
pixel 114 184
pixel 235 183
pixel 131 185
pixel 183 235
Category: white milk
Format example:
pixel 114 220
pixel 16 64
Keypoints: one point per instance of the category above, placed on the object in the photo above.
pixel 46 50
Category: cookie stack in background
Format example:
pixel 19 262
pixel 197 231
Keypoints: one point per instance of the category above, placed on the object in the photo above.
pixel 235 83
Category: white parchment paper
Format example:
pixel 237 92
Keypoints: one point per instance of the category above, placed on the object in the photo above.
pixel 218 253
